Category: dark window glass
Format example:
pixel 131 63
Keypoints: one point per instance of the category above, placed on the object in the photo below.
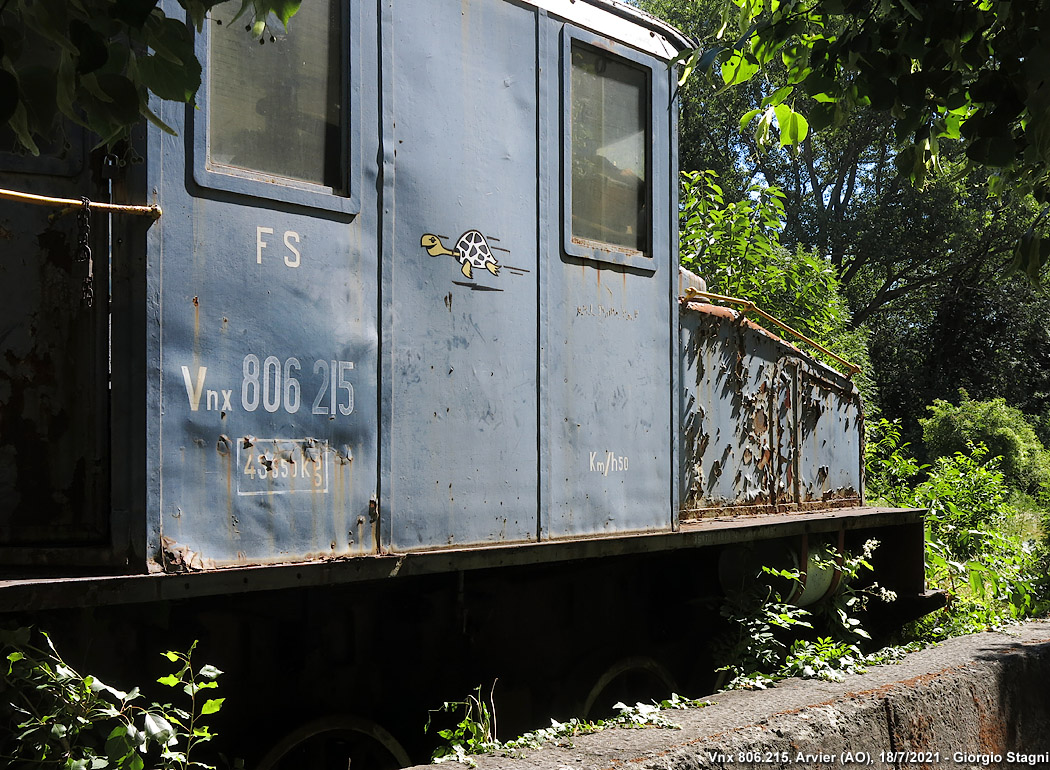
pixel 276 108
pixel 610 135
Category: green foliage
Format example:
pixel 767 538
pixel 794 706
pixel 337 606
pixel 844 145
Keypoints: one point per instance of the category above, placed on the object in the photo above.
pixel 890 467
pixel 970 71
pixel 950 81
pixel 965 495
pixel 735 246
pixel 758 648
pixel 95 62
pixel 474 733
pixel 824 659
pixel 752 652
pixel 1003 429
pixel 990 336
pixel 992 576
pixel 54 716
pixel 991 570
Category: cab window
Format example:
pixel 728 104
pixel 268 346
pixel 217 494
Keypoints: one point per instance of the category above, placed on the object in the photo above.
pixel 276 107
pixel 609 126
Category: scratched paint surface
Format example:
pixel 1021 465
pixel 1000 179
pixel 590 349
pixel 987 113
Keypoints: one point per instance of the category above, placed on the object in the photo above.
pixel 765 427
pixel 263 413
pixel 463 414
pixel 519 393
pixel 610 332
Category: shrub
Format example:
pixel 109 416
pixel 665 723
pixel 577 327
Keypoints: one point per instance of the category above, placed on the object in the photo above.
pixel 1003 429
pixel 735 246
pixel 966 496
pixel 991 574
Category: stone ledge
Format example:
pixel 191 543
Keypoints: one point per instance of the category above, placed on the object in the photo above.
pixel 972 702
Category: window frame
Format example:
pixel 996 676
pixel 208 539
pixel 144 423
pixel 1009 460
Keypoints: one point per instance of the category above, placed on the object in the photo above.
pixel 597 250
pixel 259 184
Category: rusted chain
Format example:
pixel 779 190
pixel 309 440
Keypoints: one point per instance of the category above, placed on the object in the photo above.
pixel 152 211
pixel 749 306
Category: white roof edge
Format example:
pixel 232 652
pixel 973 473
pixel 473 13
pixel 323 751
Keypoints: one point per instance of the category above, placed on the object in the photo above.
pixel 623 22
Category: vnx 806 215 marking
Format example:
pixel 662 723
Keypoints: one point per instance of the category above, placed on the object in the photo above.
pixel 275 385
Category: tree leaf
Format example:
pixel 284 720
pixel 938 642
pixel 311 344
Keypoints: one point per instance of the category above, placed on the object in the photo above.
pixel 91 46
pixel 168 80
pixel 157 728
pixel 209 672
pixel 155 120
pixel 777 97
pixel 211 706
pixel 282 9
pixel 793 125
pixel 747 118
pixel 737 69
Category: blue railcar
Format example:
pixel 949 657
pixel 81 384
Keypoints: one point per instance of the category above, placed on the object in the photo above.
pixel 411 309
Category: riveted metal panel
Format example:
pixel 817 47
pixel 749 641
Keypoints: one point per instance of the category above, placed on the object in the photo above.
pixel 464 268
pixel 262 424
pixel 610 331
pixel 829 438
pixel 730 432
pixel 765 427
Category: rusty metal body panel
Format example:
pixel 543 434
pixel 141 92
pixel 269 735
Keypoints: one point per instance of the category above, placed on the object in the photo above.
pixel 766 428
pixel 53 361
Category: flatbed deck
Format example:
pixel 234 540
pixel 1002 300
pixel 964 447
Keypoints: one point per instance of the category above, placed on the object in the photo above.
pixel 49 591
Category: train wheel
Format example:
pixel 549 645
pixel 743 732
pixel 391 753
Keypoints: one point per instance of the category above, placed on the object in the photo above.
pixel 629 680
pixel 336 742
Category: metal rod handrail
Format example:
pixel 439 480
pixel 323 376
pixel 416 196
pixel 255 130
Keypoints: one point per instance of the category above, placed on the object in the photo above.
pixel 153 210
pixel 749 306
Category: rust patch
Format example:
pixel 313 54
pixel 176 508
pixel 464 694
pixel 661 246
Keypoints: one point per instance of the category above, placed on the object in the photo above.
pixel 179 559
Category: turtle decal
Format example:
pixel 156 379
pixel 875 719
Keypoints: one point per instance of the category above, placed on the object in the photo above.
pixel 471 250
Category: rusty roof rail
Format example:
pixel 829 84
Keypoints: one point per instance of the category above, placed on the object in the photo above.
pixel 749 306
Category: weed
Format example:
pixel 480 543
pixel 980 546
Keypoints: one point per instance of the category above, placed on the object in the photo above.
pixel 755 653
pixel 61 718
pixel 980 549
pixel 475 732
